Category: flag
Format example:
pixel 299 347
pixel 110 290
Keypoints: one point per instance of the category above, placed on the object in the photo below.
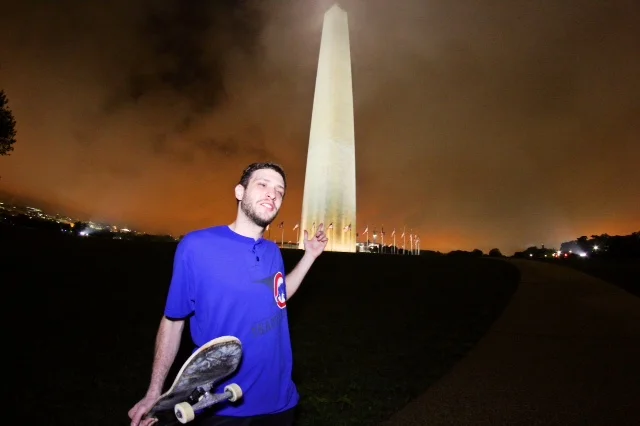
pixel 281 224
pixel 402 236
pixel 330 226
pixel 296 227
pixel 394 232
pixel 366 230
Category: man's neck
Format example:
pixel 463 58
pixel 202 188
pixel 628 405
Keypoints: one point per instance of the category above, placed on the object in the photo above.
pixel 246 228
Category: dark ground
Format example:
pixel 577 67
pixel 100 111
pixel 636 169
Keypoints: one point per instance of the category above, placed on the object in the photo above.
pixel 370 332
pixel 624 273
pixel 564 352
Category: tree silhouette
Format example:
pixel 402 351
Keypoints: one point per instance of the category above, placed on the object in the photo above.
pixel 7 126
pixel 494 252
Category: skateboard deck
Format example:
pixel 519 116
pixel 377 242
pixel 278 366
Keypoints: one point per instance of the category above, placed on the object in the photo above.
pixel 194 384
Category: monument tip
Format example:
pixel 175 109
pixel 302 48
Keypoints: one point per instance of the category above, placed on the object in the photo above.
pixel 336 7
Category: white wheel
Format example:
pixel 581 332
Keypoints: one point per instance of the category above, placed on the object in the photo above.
pixel 236 392
pixel 184 412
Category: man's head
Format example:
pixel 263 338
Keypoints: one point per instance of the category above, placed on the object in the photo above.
pixel 260 192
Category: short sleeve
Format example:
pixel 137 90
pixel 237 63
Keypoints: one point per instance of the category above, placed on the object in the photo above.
pixel 180 300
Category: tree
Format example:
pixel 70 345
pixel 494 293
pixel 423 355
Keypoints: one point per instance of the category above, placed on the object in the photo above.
pixel 494 252
pixel 7 126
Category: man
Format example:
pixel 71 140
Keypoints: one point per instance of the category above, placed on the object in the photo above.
pixel 230 281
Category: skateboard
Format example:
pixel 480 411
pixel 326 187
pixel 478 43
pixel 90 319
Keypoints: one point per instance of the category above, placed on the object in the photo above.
pixel 193 387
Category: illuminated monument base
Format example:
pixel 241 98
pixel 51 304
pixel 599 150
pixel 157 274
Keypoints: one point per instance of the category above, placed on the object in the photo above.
pixel 330 180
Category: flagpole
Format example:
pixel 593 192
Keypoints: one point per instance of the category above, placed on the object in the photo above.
pixel 404 240
pixel 411 240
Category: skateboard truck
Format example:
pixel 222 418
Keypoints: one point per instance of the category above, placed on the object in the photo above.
pixel 199 399
pixel 196 394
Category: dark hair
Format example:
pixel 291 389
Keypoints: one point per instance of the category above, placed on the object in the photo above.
pixel 248 172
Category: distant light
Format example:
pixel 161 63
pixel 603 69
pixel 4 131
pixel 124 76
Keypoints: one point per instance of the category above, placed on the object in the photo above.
pixel 530 254
pixel 583 254
pixel 595 247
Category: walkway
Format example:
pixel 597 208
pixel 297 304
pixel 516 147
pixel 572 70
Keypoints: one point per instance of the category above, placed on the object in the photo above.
pixel 566 351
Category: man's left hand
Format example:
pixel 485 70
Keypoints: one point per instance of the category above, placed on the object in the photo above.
pixel 315 245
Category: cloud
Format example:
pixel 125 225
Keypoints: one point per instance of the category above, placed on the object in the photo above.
pixel 487 124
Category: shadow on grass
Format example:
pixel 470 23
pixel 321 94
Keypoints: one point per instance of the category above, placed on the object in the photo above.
pixel 369 332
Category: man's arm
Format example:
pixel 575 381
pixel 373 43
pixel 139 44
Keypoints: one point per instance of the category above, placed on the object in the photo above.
pixel 166 348
pixel 295 277
pixel 312 249
pixel 167 345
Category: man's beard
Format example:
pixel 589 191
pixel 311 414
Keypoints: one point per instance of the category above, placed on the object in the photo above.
pixel 248 210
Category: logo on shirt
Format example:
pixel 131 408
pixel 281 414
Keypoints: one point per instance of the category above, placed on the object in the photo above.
pixel 279 290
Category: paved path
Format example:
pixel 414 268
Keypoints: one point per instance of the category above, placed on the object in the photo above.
pixel 566 351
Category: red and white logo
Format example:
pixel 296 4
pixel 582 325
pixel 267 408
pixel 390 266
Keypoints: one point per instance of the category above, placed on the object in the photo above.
pixel 279 290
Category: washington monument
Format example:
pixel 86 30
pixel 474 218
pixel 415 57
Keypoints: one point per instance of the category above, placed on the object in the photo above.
pixel 330 179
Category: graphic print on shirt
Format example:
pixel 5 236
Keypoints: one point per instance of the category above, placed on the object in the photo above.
pixel 279 290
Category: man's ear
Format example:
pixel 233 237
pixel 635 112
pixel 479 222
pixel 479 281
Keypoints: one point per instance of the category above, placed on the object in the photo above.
pixel 239 192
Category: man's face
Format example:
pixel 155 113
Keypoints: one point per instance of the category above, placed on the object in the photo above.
pixel 262 198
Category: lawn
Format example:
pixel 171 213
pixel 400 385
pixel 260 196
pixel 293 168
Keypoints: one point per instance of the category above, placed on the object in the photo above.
pixel 369 332
pixel 624 273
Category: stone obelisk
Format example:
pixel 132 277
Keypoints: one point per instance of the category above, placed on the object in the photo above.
pixel 330 179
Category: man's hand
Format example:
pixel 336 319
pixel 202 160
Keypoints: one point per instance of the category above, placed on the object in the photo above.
pixel 142 408
pixel 315 245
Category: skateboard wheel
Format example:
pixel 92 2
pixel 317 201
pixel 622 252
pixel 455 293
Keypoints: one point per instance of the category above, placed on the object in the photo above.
pixel 235 391
pixel 184 412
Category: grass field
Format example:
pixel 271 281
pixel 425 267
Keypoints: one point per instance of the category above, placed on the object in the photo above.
pixel 370 332
pixel 624 273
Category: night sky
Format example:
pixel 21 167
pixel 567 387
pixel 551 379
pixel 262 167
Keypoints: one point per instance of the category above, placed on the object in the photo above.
pixel 479 124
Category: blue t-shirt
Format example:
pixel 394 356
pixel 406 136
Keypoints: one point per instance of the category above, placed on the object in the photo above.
pixel 235 285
